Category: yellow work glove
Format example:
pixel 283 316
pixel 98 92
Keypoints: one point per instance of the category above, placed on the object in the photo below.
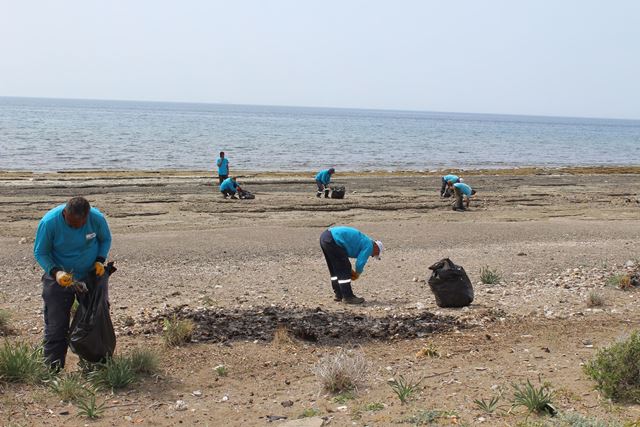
pixel 64 279
pixel 354 275
pixel 99 268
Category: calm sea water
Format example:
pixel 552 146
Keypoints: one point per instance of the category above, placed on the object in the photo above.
pixel 55 134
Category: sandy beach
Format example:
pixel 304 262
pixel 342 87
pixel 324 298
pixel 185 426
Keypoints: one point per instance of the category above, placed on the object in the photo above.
pixel 556 235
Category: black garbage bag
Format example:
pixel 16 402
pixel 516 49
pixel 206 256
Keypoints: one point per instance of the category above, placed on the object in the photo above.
pixel 92 336
pixel 338 192
pixel 450 284
pixel 246 195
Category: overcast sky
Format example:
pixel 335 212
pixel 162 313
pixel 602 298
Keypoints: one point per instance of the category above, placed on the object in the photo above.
pixel 563 58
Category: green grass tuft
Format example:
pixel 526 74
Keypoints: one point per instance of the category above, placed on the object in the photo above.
pixel 5 317
pixel 70 388
pixel 117 372
pixel 88 407
pixel 310 412
pixel 404 388
pixel 488 276
pixel 22 363
pixel 487 406
pixel 538 400
pixel 143 362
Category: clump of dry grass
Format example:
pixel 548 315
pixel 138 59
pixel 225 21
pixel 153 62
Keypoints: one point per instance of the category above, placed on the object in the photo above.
pixel 594 299
pixel 177 331
pixel 429 350
pixel 343 371
pixel 282 338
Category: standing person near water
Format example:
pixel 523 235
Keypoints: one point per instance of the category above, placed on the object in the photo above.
pixel 223 168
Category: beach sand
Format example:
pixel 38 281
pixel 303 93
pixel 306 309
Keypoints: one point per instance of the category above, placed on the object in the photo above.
pixel 556 235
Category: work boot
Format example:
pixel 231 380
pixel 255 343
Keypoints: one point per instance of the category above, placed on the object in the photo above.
pixel 326 194
pixel 318 194
pixel 336 291
pixel 353 300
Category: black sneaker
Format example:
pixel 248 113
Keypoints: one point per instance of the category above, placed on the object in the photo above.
pixel 337 298
pixel 353 300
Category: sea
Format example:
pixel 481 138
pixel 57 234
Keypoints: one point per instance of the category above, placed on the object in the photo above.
pixel 67 134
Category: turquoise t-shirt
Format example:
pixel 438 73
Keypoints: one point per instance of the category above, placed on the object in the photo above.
pixel 74 250
pixel 464 188
pixel 223 166
pixel 357 244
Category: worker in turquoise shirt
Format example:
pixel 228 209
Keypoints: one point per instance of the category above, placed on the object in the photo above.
pixel 223 168
pixel 72 242
pixel 322 181
pixel 338 244
pixel 230 187
pixel 462 191
pixel 447 184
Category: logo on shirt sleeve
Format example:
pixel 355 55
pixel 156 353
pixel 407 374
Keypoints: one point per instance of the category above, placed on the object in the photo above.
pixel 90 236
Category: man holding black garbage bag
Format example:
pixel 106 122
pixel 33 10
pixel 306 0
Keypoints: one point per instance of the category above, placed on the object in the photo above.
pixel 71 245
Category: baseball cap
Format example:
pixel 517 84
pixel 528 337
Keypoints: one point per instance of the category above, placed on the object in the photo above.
pixel 380 247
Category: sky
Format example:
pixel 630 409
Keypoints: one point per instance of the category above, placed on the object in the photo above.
pixel 538 57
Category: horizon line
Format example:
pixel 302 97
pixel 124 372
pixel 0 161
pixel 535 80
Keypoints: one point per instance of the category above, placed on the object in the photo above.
pixel 325 107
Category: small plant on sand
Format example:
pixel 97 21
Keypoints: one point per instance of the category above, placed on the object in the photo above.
pixel 577 420
pixel 429 350
pixel 594 299
pixel 432 416
pixel 177 331
pixel 221 370
pixel 616 370
pixel 5 329
pixel 69 388
pixel 538 400
pixel 621 280
pixel 114 374
pixel 374 406
pixel 487 406
pixel 489 276
pixel 143 361
pixel 404 388
pixel 343 371
pixel 88 407
pixel 22 363
pixel 344 397
pixel 310 412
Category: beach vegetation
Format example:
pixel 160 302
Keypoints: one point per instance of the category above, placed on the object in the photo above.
pixel 616 371
pixel 595 299
pixel 404 388
pixel 341 372
pixel 490 276
pixel 21 362
pixel 310 412
pixel 89 408
pixel 177 332
pixel 620 280
pixel 70 387
pixel 432 416
pixel 487 406
pixel 221 370
pixel 429 350
pixel 116 373
pixel 535 400
pixel 344 397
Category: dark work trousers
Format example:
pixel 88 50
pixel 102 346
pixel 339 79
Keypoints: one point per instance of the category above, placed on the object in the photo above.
pixel 444 189
pixel 459 202
pixel 321 188
pixel 57 316
pixel 339 265
pixel 222 178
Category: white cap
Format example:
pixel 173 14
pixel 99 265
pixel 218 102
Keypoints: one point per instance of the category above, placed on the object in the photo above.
pixel 380 248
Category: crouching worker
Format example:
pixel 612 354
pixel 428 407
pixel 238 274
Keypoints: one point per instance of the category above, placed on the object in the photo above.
pixel 463 194
pixel 323 178
pixel 447 184
pixel 338 245
pixel 230 187
pixel 72 241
